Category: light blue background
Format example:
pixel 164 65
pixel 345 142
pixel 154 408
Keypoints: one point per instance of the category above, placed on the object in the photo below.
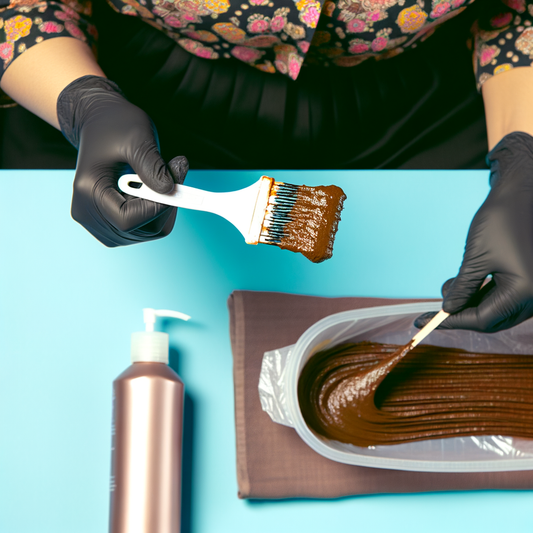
pixel 68 306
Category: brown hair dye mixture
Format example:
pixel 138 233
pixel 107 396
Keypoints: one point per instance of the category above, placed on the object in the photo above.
pixel 374 394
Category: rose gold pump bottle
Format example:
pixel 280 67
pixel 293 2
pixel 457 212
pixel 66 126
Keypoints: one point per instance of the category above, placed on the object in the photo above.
pixel 147 437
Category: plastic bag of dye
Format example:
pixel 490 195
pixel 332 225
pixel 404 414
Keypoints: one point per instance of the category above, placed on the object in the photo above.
pixel 394 324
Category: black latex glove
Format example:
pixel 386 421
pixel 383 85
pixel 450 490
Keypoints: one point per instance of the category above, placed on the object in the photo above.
pixel 499 243
pixel 115 137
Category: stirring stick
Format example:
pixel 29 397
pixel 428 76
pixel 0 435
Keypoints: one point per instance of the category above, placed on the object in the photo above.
pixel 428 328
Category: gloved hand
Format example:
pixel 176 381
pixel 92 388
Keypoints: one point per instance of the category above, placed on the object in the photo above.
pixel 115 137
pixel 499 243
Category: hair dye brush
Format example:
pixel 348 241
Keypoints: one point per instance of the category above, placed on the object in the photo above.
pixel 294 217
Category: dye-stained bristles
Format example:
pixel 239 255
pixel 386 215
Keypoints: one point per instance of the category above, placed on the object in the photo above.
pixel 303 219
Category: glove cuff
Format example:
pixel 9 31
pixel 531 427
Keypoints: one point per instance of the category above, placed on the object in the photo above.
pixel 75 99
pixel 511 157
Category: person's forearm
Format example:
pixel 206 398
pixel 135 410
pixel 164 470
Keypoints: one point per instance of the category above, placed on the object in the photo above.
pixel 508 103
pixel 36 78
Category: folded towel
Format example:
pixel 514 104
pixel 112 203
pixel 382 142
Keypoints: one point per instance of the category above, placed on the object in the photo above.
pixel 272 460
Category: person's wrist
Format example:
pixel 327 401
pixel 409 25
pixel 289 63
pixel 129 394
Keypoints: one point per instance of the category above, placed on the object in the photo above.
pixel 74 102
pixel 511 160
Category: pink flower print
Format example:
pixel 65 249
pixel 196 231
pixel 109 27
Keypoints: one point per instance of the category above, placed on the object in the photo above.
pixel 303 46
pixel 518 5
pixel 487 54
pixel 74 30
pixel 295 64
pixel 258 26
pixel 248 55
pixel 310 15
pixel 51 27
pixel 358 46
pixel 67 14
pixel 259 2
pixel 356 26
pixel 277 23
pixel 193 7
pixel 457 3
pixel 189 17
pixel 281 66
pixel 375 16
pixel 6 51
pixel 198 49
pixel 379 43
pixel 204 52
pixel 501 20
pixel 174 21
pixel 440 9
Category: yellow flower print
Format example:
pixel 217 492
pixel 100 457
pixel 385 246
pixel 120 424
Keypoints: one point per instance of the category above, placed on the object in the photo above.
pixel 17 27
pixel 229 31
pixel 411 19
pixel 217 6
pixel 301 4
pixel 267 66
pixel 145 13
pixel 294 31
pixel 502 68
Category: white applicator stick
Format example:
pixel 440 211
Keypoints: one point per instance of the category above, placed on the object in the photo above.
pixel 435 322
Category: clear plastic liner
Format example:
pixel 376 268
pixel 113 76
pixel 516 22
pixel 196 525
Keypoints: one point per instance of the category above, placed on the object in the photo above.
pixel 394 324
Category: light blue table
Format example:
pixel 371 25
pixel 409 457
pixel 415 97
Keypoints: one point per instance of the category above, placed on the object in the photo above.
pixel 68 306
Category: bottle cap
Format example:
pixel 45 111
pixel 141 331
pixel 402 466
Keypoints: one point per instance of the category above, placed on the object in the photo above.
pixel 150 345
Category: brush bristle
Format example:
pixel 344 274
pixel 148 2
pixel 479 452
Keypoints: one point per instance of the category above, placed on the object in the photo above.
pixel 281 202
pixel 303 219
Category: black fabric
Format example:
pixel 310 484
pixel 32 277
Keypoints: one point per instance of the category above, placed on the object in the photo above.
pixel 417 110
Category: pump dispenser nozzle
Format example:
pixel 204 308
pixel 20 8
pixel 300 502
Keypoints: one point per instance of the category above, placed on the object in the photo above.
pixel 150 345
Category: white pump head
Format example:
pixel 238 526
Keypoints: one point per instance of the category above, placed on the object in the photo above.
pixel 150 345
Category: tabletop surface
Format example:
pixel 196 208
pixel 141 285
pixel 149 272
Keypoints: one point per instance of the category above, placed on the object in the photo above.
pixel 68 306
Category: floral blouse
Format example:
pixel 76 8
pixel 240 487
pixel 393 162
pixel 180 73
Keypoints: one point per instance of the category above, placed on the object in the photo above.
pixel 282 35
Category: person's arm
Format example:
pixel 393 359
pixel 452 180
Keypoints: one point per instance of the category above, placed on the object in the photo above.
pixel 36 78
pixel 500 239
pixel 508 104
pixel 60 81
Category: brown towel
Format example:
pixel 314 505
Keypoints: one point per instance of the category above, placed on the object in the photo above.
pixel 272 460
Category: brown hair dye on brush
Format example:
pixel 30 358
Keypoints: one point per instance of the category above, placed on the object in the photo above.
pixel 303 219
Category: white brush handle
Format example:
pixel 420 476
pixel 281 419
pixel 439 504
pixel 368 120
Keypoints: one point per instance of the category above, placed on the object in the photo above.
pixel 244 208
pixel 435 322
